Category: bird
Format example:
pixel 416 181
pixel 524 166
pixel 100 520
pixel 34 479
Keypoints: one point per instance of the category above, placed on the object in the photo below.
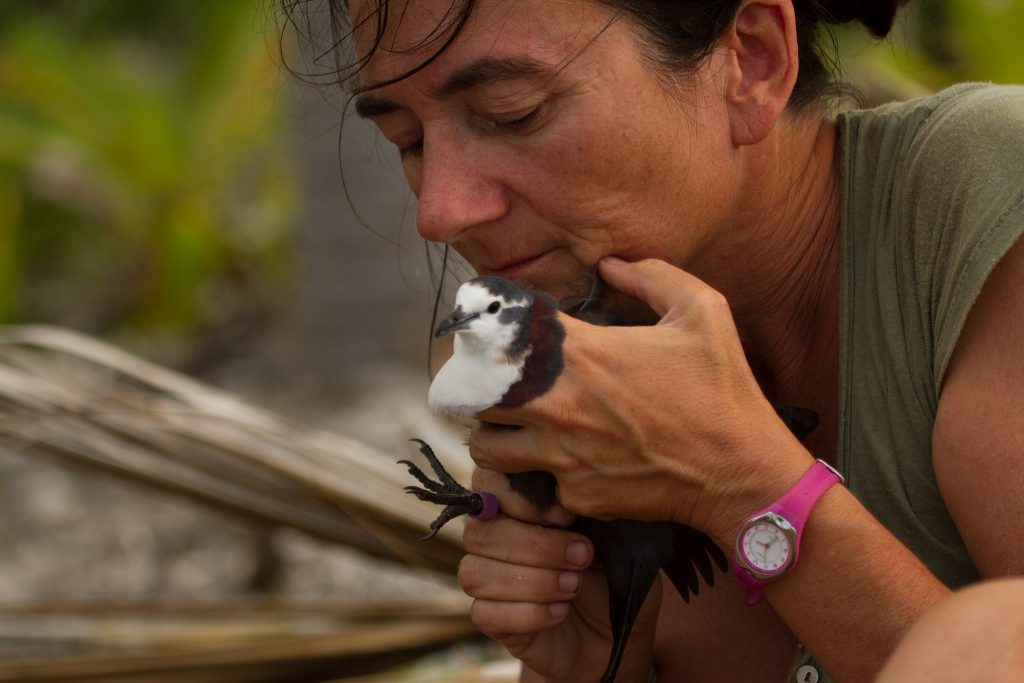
pixel 507 352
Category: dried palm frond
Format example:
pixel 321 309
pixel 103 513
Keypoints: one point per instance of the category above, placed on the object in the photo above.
pixel 84 402
pixel 273 643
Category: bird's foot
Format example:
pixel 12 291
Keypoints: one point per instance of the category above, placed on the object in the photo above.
pixel 457 499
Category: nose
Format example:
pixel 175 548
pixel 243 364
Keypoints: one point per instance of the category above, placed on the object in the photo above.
pixel 458 189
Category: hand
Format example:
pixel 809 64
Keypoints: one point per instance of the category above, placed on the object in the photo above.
pixel 536 593
pixel 664 422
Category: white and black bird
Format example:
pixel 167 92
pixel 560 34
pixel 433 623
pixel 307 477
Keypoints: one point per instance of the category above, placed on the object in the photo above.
pixel 508 351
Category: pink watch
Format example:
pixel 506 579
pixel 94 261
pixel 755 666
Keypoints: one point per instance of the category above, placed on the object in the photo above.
pixel 768 542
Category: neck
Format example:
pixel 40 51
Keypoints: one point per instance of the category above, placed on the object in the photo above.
pixel 779 265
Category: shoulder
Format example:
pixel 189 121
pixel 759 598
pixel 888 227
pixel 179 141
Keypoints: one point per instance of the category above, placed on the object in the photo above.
pixel 936 186
pixel 972 131
pixel 982 102
pixel 970 122
pixel 970 108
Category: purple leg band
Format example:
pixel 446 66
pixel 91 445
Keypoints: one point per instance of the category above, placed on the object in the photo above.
pixel 490 506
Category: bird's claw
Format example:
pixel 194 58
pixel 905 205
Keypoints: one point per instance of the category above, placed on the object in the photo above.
pixel 457 499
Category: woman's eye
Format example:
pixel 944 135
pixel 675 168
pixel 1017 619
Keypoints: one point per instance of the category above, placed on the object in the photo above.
pixel 521 122
pixel 415 148
pixel 494 307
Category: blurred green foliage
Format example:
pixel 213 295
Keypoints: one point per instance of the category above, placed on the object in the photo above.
pixel 147 176
pixel 937 43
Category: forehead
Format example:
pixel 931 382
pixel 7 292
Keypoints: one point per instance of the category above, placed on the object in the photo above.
pixel 411 31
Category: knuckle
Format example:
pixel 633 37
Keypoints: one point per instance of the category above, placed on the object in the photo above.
pixel 497 620
pixel 483 479
pixel 477 479
pixel 570 501
pixel 650 264
pixel 481 614
pixel 539 550
pixel 474 535
pixel 582 505
pixel 469 575
pixel 587 509
pixel 477 451
pixel 710 300
pixel 546 549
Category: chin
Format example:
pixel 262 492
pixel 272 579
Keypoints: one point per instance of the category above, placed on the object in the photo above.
pixel 561 284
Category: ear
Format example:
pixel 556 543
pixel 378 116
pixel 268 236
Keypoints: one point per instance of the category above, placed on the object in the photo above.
pixel 762 64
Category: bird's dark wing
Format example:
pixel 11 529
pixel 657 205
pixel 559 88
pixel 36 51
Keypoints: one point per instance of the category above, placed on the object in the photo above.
pixel 538 488
pixel 801 421
pixel 695 553
pixel 545 362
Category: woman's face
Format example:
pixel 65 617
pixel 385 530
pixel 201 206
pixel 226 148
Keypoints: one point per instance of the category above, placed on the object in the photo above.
pixel 543 139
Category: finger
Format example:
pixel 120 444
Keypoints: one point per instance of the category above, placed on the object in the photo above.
pixel 508 449
pixel 529 545
pixel 534 411
pixel 510 418
pixel 514 505
pixel 497 619
pixel 669 291
pixel 484 578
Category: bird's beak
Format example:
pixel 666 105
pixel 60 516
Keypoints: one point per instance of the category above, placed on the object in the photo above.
pixel 455 322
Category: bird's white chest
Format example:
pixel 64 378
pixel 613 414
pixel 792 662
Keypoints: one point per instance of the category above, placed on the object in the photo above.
pixel 474 379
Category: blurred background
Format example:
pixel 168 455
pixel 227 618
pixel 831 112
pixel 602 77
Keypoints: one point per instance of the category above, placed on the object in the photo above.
pixel 166 186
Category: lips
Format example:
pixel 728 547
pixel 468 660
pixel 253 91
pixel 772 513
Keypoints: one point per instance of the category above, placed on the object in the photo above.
pixel 516 268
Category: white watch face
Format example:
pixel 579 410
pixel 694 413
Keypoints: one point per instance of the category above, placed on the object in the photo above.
pixel 765 548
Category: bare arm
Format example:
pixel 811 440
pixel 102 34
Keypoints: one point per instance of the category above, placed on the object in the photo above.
pixel 853 572
pixel 978 442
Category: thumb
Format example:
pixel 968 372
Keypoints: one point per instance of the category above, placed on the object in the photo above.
pixel 669 291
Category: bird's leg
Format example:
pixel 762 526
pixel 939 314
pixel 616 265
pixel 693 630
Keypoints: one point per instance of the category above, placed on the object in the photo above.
pixel 434 486
pixel 436 465
pixel 448 514
pixel 457 499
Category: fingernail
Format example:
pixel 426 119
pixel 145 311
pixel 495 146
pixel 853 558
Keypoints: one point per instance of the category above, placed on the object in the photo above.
pixel 613 260
pixel 558 609
pixel 577 554
pixel 568 582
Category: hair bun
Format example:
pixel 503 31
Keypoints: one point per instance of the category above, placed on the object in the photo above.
pixel 878 17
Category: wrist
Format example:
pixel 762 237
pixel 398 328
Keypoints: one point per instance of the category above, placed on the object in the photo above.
pixel 780 463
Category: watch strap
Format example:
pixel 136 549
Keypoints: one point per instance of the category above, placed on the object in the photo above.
pixel 795 506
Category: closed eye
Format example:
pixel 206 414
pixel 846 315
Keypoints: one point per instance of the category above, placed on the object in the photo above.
pixel 521 122
pixel 415 148
pixel 516 125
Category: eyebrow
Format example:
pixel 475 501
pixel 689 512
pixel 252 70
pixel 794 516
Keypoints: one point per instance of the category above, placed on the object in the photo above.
pixel 483 70
pixel 368 106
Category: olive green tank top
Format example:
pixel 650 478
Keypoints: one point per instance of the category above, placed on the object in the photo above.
pixel 933 196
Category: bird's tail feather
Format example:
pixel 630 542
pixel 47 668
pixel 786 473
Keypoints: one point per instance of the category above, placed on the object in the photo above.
pixel 623 610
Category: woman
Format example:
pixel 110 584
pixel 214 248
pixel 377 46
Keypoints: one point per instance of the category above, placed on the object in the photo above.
pixel 788 258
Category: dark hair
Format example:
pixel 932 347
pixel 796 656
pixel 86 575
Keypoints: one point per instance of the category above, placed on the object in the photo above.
pixel 678 34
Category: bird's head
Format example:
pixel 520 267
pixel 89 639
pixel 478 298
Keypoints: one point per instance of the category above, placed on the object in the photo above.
pixel 490 313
